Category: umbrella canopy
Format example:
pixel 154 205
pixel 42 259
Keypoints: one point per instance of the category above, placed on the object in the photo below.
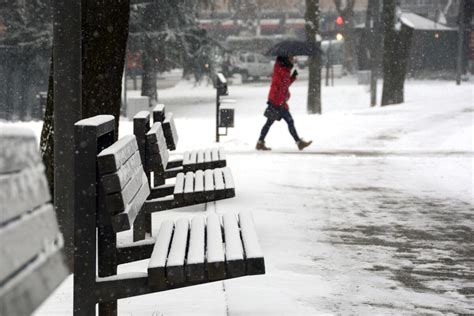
pixel 294 48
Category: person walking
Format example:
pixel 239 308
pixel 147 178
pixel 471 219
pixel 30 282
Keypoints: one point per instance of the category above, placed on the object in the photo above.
pixel 278 97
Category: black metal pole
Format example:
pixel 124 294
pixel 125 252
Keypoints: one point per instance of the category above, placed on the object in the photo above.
pixel 67 110
pixel 460 42
pixel 217 114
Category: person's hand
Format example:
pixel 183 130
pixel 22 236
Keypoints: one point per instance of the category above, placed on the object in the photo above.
pixel 295 73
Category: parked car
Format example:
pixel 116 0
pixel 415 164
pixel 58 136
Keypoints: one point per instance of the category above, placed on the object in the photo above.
pixel 251 65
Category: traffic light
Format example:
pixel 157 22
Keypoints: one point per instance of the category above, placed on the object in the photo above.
pixel 339 20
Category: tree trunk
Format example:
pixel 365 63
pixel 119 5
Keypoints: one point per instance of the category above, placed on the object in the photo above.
pixel 105 32
pixel 47 133
pixel 396 52
pixel 314 62
pixel 149 87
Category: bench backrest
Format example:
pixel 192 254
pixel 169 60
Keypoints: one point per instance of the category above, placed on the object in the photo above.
pixel 171 134
pixel 31 258
pixel 151 145
pixel 124 185
pixel 159 113
pixel 157 154
pixel 141 126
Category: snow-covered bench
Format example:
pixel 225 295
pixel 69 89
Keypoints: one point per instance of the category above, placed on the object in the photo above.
pixel 184 252
pixel 189 187
pixel 31 258
pixel 202 159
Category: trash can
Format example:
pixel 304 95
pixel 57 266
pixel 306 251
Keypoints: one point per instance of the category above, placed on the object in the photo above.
pixel 226 117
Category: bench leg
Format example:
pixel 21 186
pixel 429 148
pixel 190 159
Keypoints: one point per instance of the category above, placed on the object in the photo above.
pixel 107 264
pixel 148 223
pixel 139 229
pixel 81 309
pixel 108 309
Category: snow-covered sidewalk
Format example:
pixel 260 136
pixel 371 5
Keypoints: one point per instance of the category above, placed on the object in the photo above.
pixel 375 218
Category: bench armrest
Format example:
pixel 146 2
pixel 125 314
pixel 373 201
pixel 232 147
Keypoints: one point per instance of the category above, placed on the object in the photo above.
pixel 172 172
pixel 174 163
pixel 139 250
pixel 161 191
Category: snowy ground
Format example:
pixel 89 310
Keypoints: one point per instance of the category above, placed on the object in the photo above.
pixel 375 218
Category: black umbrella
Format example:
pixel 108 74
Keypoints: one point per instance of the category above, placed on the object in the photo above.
pixel 294 48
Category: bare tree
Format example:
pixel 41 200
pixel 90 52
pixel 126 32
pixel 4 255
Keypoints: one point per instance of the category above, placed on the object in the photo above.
pixel 397 41
pixel 314 62
pixel 348 31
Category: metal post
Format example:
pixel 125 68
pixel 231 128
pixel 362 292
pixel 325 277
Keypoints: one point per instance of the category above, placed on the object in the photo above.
pixel 328 54
pixel 217 114
pixel 68 102
pixel 374 50
pixel 460 42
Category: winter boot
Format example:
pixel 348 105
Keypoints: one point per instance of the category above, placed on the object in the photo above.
pixel 261 146
pixel 302 144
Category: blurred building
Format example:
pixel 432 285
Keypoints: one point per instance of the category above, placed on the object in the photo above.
pixel 282 17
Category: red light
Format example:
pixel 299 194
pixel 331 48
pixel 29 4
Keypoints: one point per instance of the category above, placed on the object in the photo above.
pixel 339 20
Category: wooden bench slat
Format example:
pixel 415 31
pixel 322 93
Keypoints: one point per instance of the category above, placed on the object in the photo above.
pixel 22 191
pixel 235 264
pixel 19 149
pixel 208 155
pixel 157 264
pixel 176 259
pixel 199 185
pixel 219 184
pixel 186 158
pixel 229 182
pixel 123 221
pixel 179 187
pixel 116 202
pixel 189 187
pixel 222 157
pixel 27 290
pixel 193 157
pixel 24 238
pixel 209 184
pixel 255 263
pixel 200 157
pixel 214 154
pixel 169 129
pixel 195 269
pixel 113 157
pixel 215 250
pixel 116 181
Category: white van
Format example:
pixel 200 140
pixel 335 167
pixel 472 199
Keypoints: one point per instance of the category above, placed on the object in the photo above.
pixel 252 65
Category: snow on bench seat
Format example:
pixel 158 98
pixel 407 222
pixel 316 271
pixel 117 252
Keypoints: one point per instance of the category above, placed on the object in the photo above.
pixel 198 253
pixel 208 158
pixel 202 186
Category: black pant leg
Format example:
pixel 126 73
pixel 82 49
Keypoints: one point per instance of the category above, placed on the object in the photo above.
pixel 265 129
pixel 286 115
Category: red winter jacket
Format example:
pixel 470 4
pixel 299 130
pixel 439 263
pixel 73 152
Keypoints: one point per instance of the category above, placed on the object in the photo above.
pixel 281 81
